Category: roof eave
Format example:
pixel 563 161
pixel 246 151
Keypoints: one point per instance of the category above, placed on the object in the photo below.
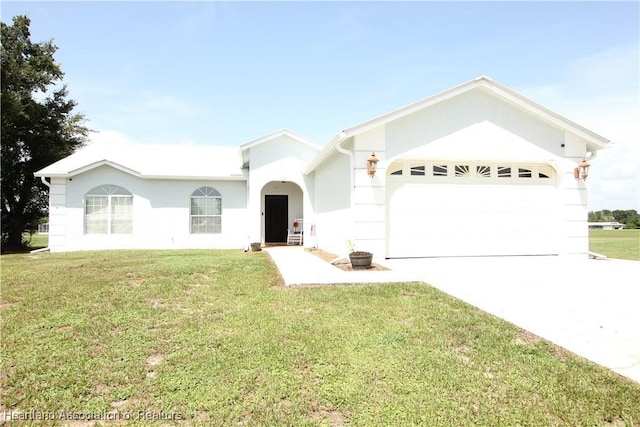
pixel 41 174
pixel 413 107
pixel 324 152
pixel 280 132
pixel 594 140
pixel 196 177
pixel 86 168
pixel 384 119
pixel 72 173
pixel 599 141
pixel 157 177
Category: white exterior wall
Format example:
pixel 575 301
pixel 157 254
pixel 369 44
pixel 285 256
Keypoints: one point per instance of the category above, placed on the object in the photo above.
pixel 333 213
pixel 279 163
pixel 437 124
pixel 369 193
pixel 57 215
pixel 574 208
pixel 445 119
pixel 160 214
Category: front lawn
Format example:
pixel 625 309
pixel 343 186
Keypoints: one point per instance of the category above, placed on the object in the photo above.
pixel 621 244
pixel 212 337
pixel 36 240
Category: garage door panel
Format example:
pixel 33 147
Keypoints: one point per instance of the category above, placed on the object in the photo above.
pixel 459 245
pixel 426 219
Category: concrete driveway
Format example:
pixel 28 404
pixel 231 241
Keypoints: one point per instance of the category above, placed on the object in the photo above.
pixel 589 307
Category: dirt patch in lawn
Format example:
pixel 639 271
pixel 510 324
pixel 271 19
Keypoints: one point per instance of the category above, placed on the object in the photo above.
pixel 154 360
pixel 526 338
pixel 151 362
pixel 333 417
pixel 343 263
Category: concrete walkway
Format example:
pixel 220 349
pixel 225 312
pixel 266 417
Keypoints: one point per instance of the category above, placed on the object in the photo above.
pixel 586 306
pixel 299 267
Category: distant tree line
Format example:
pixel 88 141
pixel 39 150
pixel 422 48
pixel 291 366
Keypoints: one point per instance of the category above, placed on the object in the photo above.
pixel 630 217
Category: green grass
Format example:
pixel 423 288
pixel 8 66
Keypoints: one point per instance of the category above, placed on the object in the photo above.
pixel 621 244
pixel 214 337
pixel 37 240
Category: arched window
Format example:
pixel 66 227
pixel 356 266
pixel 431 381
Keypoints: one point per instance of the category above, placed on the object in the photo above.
pixel 108 210
pixel 206 211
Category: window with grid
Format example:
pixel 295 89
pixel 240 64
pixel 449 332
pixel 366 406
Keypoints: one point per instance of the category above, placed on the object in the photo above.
pixel 108 210
pixel 206 211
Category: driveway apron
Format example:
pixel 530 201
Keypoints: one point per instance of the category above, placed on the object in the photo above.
pixel 589 307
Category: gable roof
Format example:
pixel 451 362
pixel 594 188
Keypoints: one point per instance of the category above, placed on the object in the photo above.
pixel 153 161
pixel 276 134
pixel 165 161
pixel 594 141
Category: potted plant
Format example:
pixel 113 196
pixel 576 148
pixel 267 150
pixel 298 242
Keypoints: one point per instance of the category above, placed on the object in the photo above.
pixel 359 259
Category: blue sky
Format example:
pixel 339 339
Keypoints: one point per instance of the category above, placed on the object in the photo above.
pixel 229 72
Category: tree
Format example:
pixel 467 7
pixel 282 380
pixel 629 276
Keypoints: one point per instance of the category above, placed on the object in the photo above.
pixel 604 215
pixel 630 217
pixel 38 127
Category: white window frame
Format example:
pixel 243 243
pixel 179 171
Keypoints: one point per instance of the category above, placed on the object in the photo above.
pixel 209 223
pixel 108 193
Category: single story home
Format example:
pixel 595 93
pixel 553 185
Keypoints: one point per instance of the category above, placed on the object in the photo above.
pixel 615 225
pixel 476 170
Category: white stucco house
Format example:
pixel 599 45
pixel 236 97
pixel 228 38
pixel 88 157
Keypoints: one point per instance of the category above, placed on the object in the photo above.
pixel 476 170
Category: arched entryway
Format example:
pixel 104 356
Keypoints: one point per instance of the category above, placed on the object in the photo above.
pixel 281 204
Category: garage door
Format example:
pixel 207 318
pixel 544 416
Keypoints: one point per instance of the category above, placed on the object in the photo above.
pixel 471 209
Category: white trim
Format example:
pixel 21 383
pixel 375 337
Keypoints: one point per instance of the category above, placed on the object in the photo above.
pixel 99 163
pixel 324 153
pixel 137 174
pixel 214 195
pixel 276 134
pixel 196 177
pixel 490 84
pixel 109 212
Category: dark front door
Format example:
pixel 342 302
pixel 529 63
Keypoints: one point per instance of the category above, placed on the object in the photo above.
pixel 276 214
